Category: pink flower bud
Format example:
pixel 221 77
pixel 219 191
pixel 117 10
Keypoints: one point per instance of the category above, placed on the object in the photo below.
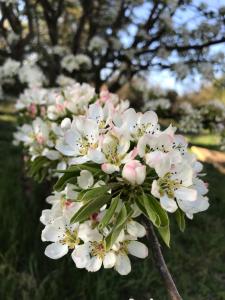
pixel 134 172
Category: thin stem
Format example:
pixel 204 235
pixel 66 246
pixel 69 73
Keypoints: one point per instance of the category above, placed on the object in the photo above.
pixel 160 262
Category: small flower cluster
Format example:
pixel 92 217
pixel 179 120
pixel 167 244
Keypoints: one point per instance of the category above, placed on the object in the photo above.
pixel 207 117
pixel 119 167
pixel 161 106
pixel 27 72
pixel 87 240
pixel 46 114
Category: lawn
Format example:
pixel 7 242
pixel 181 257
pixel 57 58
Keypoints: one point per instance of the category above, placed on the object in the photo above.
pixel 196 258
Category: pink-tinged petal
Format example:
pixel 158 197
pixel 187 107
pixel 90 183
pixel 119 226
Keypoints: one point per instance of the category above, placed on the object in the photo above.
pixel 109 168
pixel 129 174
pixel 140 174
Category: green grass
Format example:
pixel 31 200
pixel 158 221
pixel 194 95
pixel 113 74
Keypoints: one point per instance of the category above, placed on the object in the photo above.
pixel 207 140
pixel 196 258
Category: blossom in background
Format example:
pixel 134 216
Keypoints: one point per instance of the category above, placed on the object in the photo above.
pixel 98 45
pixel 77 62
pixel 32 75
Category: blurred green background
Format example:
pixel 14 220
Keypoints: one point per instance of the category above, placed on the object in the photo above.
pixel 196 258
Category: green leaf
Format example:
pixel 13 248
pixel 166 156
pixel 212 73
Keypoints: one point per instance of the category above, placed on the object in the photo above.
pixel 123 216
pixel 93 168
pixel 89 208
pixel 93 193
pixel 151 211
pixel 39 168
pixel 109 213
pixel 164 227
pixel 141 206
pixel 180 218
pixel 66 178
pixel 165 234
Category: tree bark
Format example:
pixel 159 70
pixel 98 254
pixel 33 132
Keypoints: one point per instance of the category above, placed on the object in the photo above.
pixel 160 262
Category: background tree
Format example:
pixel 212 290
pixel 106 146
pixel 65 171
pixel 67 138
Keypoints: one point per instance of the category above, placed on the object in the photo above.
pixel 110 41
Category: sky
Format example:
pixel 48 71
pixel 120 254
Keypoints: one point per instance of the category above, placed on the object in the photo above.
pixel 165 79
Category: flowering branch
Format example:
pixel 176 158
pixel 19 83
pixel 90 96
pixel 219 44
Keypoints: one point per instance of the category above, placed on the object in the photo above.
pixel 160 262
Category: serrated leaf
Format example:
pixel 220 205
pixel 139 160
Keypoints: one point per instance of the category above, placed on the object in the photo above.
pixel 180 218
pixel 90 207
pixel 109 213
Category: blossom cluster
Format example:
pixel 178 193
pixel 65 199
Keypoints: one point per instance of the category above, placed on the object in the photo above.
pixel 27 72
pixel 116 167
pixel 160 105
pixel 196 119
pixel 46 114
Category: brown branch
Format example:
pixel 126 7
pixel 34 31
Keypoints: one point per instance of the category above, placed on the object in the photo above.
pixel 160 262
pixel 195 47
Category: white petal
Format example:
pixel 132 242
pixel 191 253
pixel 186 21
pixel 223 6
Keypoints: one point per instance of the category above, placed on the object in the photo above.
pixel 51 234
pixel 65 149
pixel 96 156
pixel 87 234
pixel 66 124
pixel 56 250
pixel 123 266
pixel 137 249
pixel 78 160
pixel 109 260
pixel 51 154
pixel 168 204
pixel 95 264
pixel 155 189
pixel 186 194
pixel 80 255
pixel 136 229
pixel 46 216
pixel 85 180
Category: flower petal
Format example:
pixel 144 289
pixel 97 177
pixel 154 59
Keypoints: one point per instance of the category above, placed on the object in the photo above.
pixel 95 264
pixel 137 249
pixel 56 250
pixel 123 266
pixel 109 260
